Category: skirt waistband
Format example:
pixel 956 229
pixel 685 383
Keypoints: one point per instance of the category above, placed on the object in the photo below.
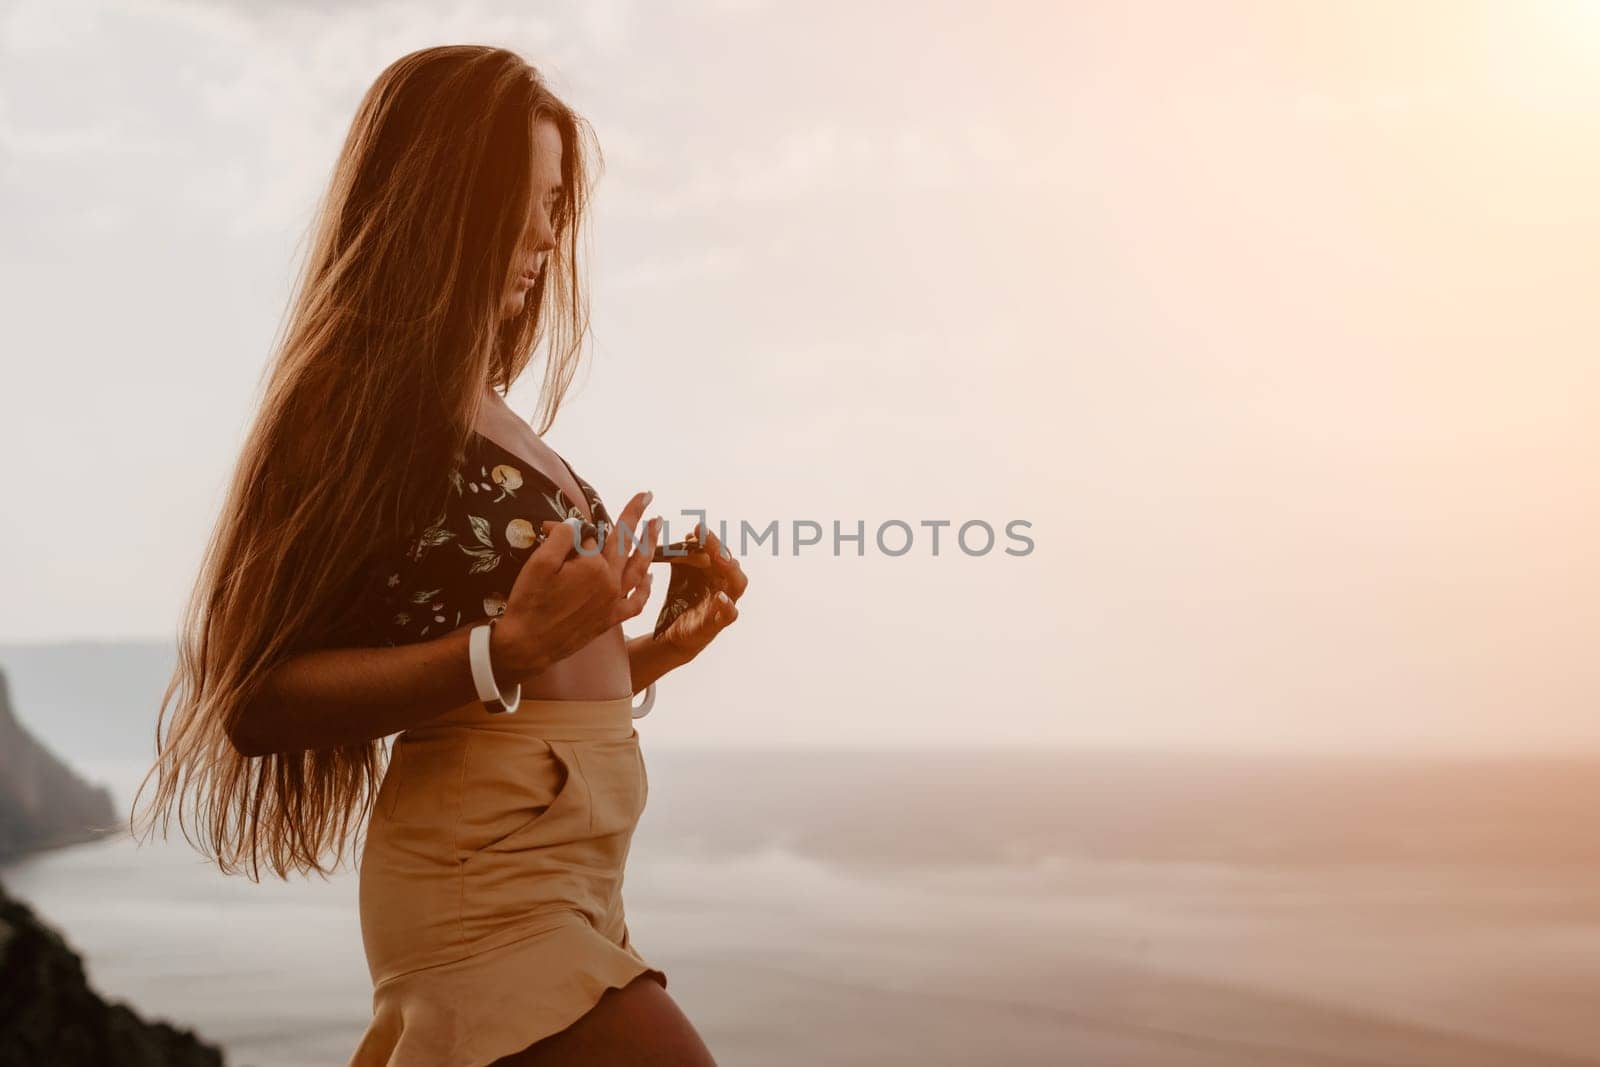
pixel 557 720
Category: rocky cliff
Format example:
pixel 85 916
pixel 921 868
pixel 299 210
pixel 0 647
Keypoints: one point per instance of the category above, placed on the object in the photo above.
pixel 49 1015
pixel 43 804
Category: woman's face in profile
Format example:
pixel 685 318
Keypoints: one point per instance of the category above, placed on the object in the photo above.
pixel 539 238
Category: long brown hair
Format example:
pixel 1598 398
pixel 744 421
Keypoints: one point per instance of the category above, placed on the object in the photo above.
pixel 395 327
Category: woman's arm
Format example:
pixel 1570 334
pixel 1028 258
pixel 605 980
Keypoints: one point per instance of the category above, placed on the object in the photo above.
pixel 649 659
pixel 333 697
pixel 328 698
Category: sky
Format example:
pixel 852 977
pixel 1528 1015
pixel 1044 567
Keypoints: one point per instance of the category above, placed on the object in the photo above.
pixel 1275 323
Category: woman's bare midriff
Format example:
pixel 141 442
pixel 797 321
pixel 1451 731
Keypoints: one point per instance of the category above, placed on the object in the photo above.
pixel 598 671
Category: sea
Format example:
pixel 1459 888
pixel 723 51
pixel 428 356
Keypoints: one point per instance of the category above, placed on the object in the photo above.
pixel 975 906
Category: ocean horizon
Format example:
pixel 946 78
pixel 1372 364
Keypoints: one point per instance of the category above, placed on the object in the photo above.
pixel 1049 907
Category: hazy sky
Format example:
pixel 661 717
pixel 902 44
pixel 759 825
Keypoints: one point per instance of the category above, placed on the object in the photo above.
pixel 1277 322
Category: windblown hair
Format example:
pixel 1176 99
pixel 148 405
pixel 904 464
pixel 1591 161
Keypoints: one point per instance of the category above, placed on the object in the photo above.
pixel 396 325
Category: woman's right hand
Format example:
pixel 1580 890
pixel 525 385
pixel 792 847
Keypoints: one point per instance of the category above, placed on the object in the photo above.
pixel 563 599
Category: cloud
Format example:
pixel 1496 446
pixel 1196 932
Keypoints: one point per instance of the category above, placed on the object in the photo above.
pixel 100 139
pixel 713 262
pixel 42 26
pixel 247 111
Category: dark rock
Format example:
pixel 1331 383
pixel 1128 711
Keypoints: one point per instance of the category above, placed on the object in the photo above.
pixel 49 1015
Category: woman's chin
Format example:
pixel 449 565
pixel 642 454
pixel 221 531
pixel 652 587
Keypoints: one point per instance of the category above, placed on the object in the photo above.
pixel 514 303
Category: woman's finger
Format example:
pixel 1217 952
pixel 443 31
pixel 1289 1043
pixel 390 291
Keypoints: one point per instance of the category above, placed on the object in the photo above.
pixel 552 552
pixel 638 564
pixel 729 575
pixel 626 531
pixel 682 553
pixel 632 604
pixel 588 535
pixel 724 610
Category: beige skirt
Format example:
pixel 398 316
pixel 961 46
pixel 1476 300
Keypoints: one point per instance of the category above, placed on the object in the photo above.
pixel 491 880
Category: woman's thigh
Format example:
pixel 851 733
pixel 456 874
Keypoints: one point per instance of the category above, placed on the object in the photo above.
pixel 638 1024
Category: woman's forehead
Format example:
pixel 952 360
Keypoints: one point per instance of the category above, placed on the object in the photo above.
pixel 547 150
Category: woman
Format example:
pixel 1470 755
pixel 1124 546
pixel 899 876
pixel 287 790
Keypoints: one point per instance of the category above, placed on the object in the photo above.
pixel 394 556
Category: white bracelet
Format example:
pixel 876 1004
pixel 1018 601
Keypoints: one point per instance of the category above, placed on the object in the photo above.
pixel 483 673
pixel 649 699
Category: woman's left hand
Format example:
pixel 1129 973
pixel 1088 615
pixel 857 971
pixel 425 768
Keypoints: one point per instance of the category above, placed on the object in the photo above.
pixel 696 628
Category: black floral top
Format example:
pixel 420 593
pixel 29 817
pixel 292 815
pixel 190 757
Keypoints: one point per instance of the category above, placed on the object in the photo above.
pixel 462 565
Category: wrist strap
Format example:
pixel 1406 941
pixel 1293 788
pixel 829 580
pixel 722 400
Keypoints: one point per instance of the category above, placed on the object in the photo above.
pixel 642 710
pixel 483 673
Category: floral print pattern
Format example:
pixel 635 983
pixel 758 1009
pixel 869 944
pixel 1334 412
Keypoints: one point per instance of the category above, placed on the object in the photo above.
pixel 462 565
